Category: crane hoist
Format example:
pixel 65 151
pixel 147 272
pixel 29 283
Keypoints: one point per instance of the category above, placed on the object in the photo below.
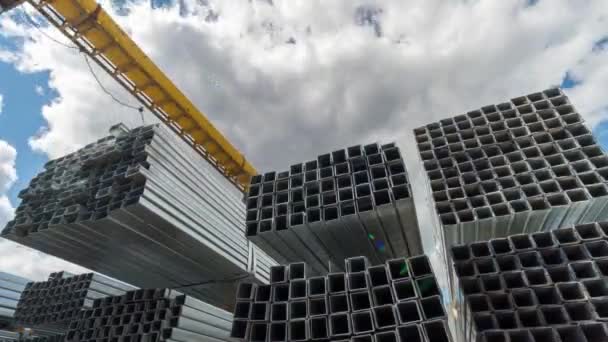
pixel 91 29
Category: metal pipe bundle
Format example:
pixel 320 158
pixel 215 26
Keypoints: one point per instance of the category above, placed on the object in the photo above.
pixel 9 336
pixel 546 286
pixel 11 287
pixel 360 194
pixel 147 210
pixel 50 306
pixel 395 301
pixel 150 315
pixel 522 166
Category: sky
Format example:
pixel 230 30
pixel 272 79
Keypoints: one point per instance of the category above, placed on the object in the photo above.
pixel 286 80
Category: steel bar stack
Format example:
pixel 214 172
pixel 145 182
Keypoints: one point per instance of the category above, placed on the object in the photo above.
pixel 50 306
pixel 395 301
pixel 546 286
pixel 147 210
pixel 150 315
pixel 11 287
pixel 360 194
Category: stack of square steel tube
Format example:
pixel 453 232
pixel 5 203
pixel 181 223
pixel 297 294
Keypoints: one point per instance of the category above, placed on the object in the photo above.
pixel 546 286
pixel 522 166
pixel 147 210
pixel 395 301
pixel 50 306
pixel 11 287
pixel 150 315
pixel 360 194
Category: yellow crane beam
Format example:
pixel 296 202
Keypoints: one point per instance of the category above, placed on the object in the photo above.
pixel 96 34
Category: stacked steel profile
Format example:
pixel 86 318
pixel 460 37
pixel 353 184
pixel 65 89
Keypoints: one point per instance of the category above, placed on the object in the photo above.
pixel 9 336
pixel 522 166
pixel 51 305
pixel 147 210
pixel 535 287
pixel 360 194
pixel 11 287
pixel 150 315
pixel 395 301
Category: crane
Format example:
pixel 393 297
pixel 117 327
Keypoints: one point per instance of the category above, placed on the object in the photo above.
pixel 90 28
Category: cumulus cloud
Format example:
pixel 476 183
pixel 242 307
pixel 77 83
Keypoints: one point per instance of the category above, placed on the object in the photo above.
pixel 8 173
pixel 31 264
pixel 326 75
pixel 8 176
pixel 1 103
pixel 285 80
pixel 6 210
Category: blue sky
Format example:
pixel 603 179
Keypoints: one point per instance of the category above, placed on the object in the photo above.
pixel 24 95
pixel 21 115
pixel 21 118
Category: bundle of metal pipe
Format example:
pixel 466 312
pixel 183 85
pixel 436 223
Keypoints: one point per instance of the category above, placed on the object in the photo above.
pixel 522 166
pixel 150 315
pixel 360 194
pixel 11 287
pixel 141 206
pixel 395 301
pixel 9 336
pixel 50 306
pixel 534 287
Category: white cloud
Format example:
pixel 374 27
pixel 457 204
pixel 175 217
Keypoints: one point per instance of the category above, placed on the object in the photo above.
pixel 8 176
pixel 6 210
pixel 31 264
pixel 1 103
pixel 39 90
pixel 8 173
pixel 340 83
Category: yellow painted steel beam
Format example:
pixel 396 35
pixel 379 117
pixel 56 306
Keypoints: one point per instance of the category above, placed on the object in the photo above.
pixel 96 34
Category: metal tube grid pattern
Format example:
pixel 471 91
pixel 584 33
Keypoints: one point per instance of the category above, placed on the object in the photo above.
pixel 51 305
pixel 145 189
pixel 361 194
pixel 150 315
pixel 398 300
pixel 545 286
pixel 522 166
